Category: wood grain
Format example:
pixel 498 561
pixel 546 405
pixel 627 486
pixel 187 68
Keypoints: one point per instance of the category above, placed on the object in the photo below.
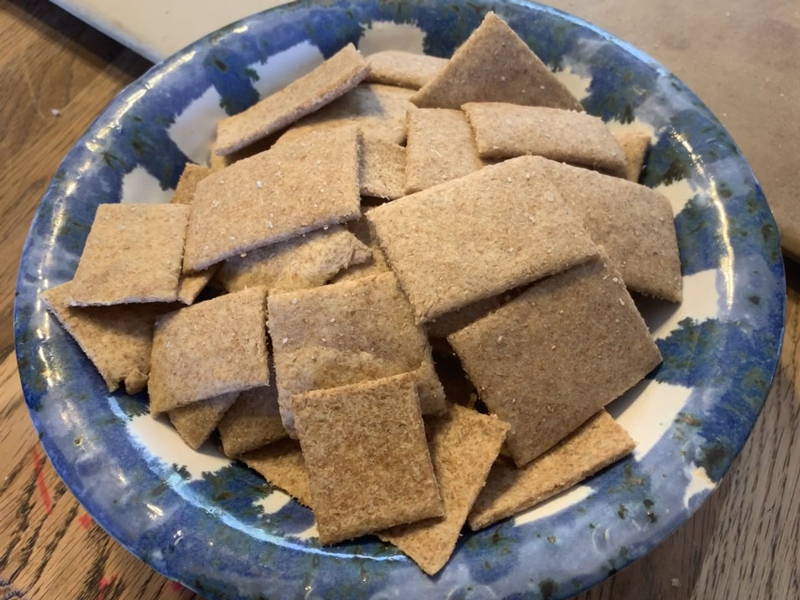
pixel 742 543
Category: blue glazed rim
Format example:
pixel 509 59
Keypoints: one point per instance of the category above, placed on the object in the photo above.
pixel 204 571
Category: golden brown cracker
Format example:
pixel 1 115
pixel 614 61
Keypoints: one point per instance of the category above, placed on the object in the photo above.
pixel 195 422
pixel 634 144
pixel 403 69
pixel 281 463
pixel 191 176
pixel 383 169
pixel 252 422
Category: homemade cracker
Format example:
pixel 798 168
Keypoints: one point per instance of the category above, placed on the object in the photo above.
pixel 302 262
pixel 440 147
pixel 403 69
pixel 373 266
pixel 346 333
pixel 556 354
pixel 195 422
pixel 252 422
pixel 509 490
pixel 633 224
pixel 475 237
pixel 634 144
pixel 117 339
pixel 463 445
pixel 337 75
pixel 383 169
pixel 209 349
pixel 133 254
pixel 281 463
pixel 506 130
pixel 494 65
pixel 367 459
pixel 281 193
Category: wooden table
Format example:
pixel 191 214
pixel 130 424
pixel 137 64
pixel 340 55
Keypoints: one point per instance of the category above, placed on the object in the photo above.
pixel 56 74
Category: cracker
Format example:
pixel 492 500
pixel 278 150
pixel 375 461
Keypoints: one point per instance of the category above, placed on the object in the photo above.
pixel 337 75
pixel 556 354
pixel 383 169
pixel 195 422
pixel 252 422
pixel 367 459
pixel 509 490
pixel 634 144
pixel 302 262
pixel 632 222
pixel 281 193
pixel 378 110
pixel 506 130
pixel 117 339
pixel 282 464
pixel 373 266
pixel 494 65
pixel 346 333
pixel 133 254
pixel 440 147
pixel 209 349
pixel 403 69
pixel 463 445
pixel 477 236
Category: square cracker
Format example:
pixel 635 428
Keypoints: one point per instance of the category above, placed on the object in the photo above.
pixel 367 459
pixel 506 130
pixel 209 349
pixel 346 333
pixel 403 69
pixel 282 464
pixel 634 143
pixel 288 190
pixel 340 73
pixel 195 422
pixel 305 261
pixel 252 422
pixel 463 445
pixel 117 339
pixel 509 490
pixel 133 254
pixel 440 147
pixel 383 169
pixel 477 236
pixel 556 354
pixel 378 110
pixel 494 65
pixel 633 224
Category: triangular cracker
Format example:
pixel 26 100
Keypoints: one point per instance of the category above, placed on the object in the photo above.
pixel 195 422
pixel 252 422
pixel 281 463
pixel 634 144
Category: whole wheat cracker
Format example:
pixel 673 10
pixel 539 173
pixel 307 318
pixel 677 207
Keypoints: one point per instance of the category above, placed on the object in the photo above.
pixel 634 143
pixel 281 464
pixel 209 349
pixel 505 130
pixel 478 236
pixel 195 422
pixel 346 333
pixel 286 191
pixel 252 422
pixel 553 356
pixel 373 266
pixel 403 69
pixel 509 490
pixel 334 77
pixel 383 169
pixel 132 254
pixel 463 445
pixel 494 65
pixel 440 147
pixel 368 463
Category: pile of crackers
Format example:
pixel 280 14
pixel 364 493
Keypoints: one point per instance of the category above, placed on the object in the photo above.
pixel 354 233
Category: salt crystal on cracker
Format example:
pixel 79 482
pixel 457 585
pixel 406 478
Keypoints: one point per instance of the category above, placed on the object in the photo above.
pixel 209 349
pixel 440 147
pixel 305 185
pixel 403 69
pixel 383 169
pixel 133 254
pixel 477 236
pixel 557 353
pixel 367 458
pixel 634 144
pixel 282 464
pixel 195 422
pixel 509 490
pixel 334 77
pixel 252 422
pixel 494 65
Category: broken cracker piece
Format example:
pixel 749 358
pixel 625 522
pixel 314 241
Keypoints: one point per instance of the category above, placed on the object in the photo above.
pixel 334 77
pixel 383 169
pixel 196 421
pixel 553 356
pixel 634 144
pixel 252 422
pixel 367 459
pixel 209 349
pixel 403 69
pixel 281 463
pixel 509 490
pixel 133 254
pixel 440 147
pixel 495 65
pixel 478 236
pixel 463 445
